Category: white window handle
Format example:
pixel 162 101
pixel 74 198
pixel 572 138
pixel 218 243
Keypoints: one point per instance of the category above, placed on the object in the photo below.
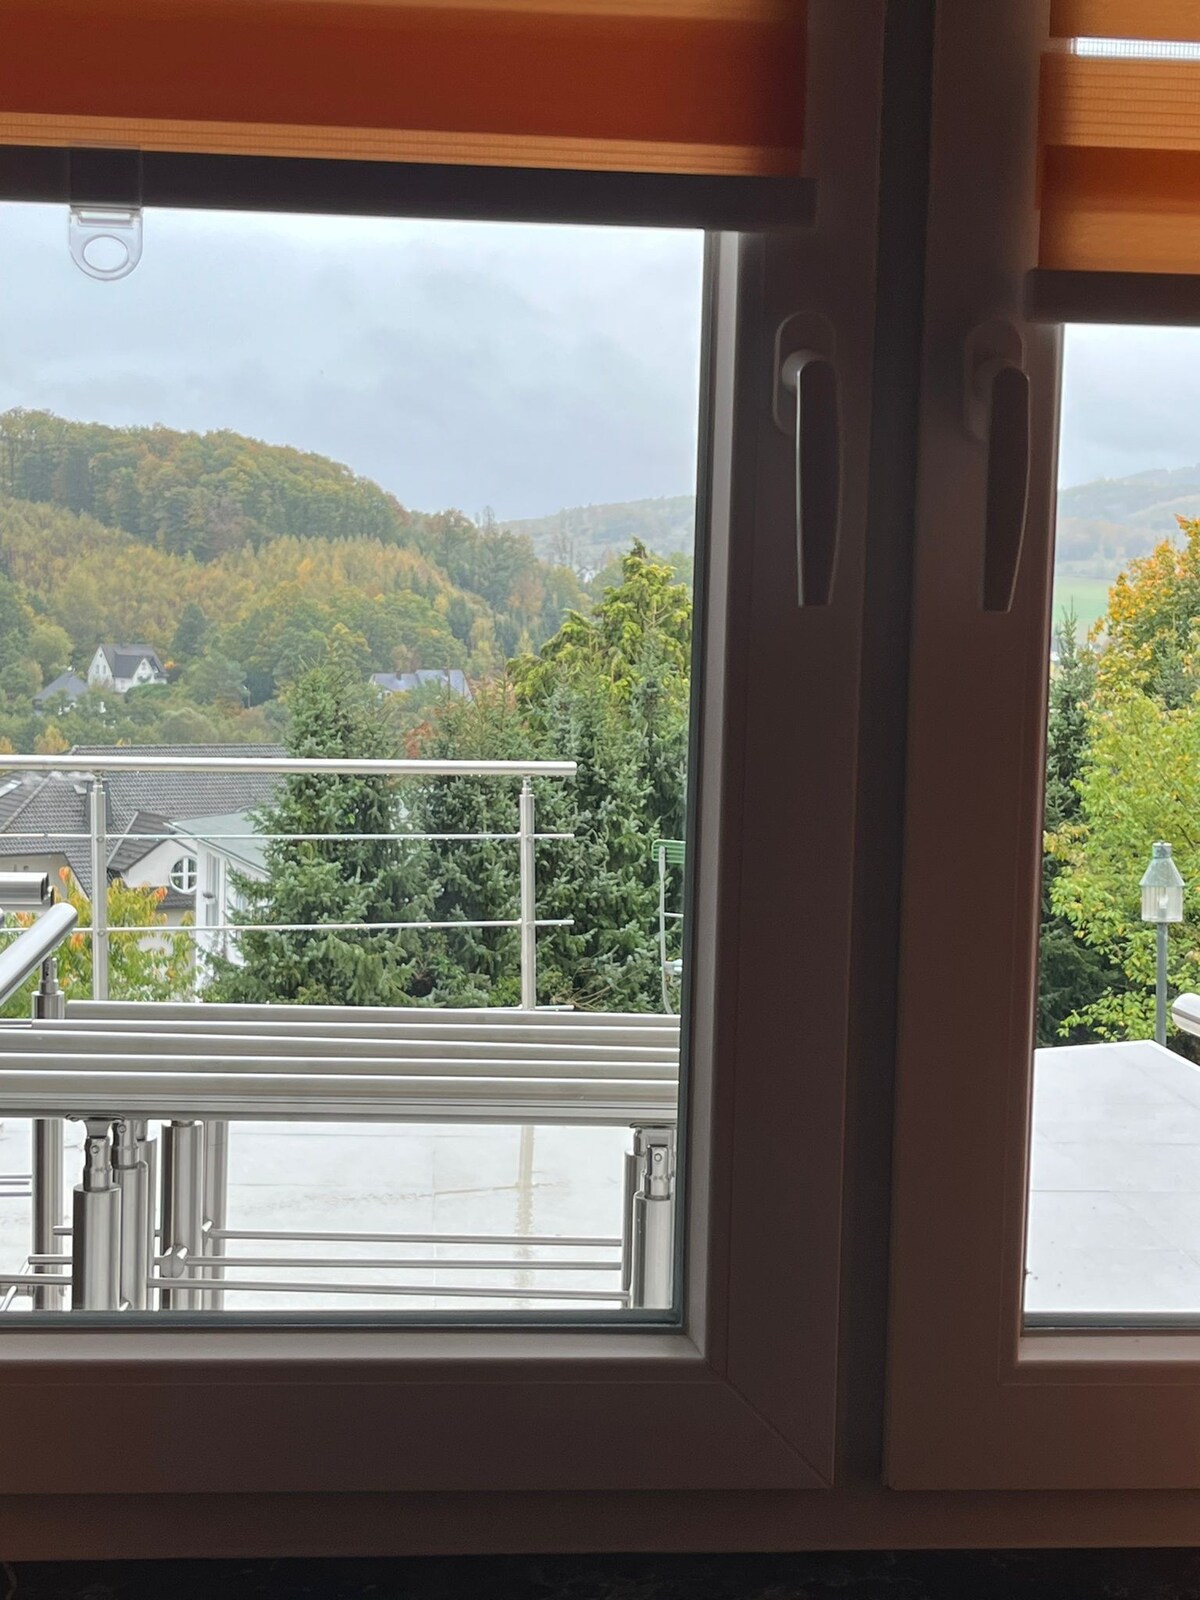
pixel 812 379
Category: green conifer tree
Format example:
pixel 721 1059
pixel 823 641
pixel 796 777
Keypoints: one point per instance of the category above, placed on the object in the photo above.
pixel 1072 974
pixel 334 880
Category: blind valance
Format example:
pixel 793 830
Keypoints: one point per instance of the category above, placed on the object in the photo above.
pixel 1120 137
pixel 688 86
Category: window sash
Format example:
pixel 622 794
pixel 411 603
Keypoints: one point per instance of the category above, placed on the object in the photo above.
pixel 745 1395
pixel 975 1401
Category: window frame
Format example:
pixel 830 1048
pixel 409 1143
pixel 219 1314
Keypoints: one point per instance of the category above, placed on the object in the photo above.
pixel 977 1400
pixel 743 1395
pixel 184 874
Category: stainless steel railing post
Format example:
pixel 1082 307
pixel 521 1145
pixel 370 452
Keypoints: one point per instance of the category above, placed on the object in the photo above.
pixel 652 1223
pixel 216 1188
pixel 131 1174
pixel 98 827
pixel 96 1228
pixel 182 1213
pixel 528 912
pixel 49 1004
pixel 629 1186
pixel 153 1191
pixel 47 1201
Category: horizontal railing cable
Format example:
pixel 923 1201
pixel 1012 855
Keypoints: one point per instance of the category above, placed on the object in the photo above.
pixel 284 766
pixel 183 835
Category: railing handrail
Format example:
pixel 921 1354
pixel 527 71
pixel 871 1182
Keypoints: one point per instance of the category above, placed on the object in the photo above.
pixel 153 1011
pixel 34 1088
pixel 34 945
pixel 644 1043
pixel 94 769
pixel 280 766
pixel 323 1057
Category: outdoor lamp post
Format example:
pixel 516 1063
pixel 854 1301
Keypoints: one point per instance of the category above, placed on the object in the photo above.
pixel 1162 903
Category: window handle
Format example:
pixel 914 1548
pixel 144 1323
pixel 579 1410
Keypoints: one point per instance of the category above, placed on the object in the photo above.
pixel 997 413
pixel 811 378
pixel 1007 487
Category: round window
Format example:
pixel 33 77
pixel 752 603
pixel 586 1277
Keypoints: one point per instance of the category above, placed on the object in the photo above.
pixel 183 874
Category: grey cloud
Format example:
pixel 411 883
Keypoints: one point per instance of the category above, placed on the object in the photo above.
pixel 1131 399
pixel 522 368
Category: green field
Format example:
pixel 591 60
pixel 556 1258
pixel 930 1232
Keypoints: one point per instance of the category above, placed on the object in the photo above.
pixel 1089 596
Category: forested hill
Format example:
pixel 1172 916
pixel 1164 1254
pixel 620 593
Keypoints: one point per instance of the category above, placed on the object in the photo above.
pixel 215 495
pixel 236 562
pixel 1106 523
pixel 588 538
pixel 194 494
pixel 1101 525
pixel 212 497
pixel 222 500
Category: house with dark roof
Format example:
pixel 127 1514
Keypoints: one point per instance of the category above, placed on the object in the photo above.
pixel 61 693
pixel 122 667
pixel 44 819
pixel 449 678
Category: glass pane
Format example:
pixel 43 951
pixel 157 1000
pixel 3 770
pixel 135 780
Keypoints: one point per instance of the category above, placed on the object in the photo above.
pixel 395 1038
pixel 1114 1219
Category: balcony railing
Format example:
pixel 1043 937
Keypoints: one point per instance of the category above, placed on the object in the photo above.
pixel 96 770
pixel 156 1087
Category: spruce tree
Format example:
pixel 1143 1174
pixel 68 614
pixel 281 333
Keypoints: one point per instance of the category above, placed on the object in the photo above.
pixel 473 879
pixel 610 692
pixel 1071 974
pixel 334 880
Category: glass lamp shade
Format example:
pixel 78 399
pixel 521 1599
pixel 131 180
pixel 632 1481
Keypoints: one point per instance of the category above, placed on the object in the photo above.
pixel 1162 905
pixel 1162 888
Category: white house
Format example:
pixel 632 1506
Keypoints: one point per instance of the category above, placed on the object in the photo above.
pixel 122 667
pixel 45 820
pixel 217 850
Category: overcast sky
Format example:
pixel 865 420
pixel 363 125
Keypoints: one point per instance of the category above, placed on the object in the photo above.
pixel 458 364
pixel 1131 400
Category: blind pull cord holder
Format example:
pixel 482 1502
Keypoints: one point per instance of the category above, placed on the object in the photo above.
pixel 104 223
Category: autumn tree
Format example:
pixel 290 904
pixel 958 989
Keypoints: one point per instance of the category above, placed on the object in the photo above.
pixel 1139 781
pixel 156 965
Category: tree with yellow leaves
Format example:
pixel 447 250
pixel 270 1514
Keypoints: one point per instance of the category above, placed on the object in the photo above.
pixel 155 965
pixel 1139 782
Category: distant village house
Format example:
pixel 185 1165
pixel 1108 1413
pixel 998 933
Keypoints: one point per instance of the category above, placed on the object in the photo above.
pixel 122 667
pixel 449 678
pixel 61 693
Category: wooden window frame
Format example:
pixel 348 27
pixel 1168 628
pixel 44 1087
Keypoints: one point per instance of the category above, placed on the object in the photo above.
pixel 742 1395
pixel 976 1401
pixel 970 1404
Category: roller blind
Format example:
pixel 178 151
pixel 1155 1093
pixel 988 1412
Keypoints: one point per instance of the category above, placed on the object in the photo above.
pixel 1120 137
pixel 690 86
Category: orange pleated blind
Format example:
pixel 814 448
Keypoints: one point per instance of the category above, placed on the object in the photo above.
pixel 692 86
pixel 1120 137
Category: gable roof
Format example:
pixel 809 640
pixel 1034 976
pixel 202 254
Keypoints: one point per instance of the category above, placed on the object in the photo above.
pixel 54 806
pixel 190 793
pixel 123 659
pixel 451 678
pixel 229 833
pixel 138 839
pixel 67 686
